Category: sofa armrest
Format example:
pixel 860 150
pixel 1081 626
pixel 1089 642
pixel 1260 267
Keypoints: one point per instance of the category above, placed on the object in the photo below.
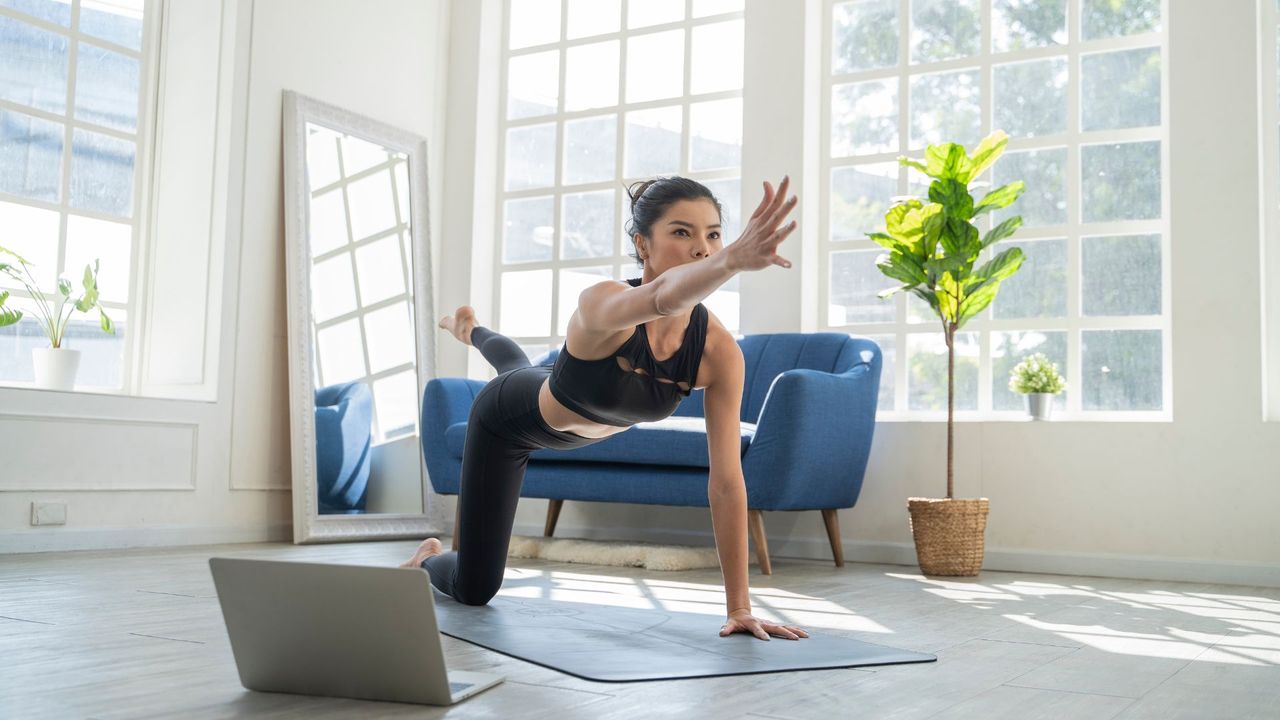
pixel 445 401
pixel 813 437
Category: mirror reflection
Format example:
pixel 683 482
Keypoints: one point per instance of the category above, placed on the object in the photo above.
pixel 362 325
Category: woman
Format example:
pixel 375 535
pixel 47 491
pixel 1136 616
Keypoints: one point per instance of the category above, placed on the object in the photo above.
pixel 632 351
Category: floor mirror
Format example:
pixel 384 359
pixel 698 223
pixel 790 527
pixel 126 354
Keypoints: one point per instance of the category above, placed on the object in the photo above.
pixel 359 311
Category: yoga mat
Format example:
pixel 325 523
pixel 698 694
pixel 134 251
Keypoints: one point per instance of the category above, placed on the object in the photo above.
pixel 623 644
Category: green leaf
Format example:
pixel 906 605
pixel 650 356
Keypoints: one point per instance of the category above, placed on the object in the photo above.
pixel 953 196
pixel 13 254
pixel 928 296
pixel 8 316
pixel 888 242
pixel 105 322
pixel 1001 266
pixel 1002 231
pixel 946 161
pixel 977 301
pixel 991 147
pixel 905 161
pixel 90 297
pixel 64 287
pixel 886 294
pixel 1000 197
pixel 902 267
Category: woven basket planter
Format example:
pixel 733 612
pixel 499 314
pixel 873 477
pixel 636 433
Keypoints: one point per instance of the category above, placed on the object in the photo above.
pixel 948 534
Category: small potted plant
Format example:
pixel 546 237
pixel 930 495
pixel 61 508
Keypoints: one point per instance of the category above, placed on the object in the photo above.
pixel 1038 381
pixel 931 250
pixel 55 366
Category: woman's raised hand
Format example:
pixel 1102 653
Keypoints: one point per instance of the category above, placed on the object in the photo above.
pixel 757 247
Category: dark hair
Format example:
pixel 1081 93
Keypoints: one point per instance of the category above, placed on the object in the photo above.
pixel 651 198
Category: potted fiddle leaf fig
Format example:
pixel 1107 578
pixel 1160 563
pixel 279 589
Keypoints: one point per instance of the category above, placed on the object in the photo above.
pixel 55 366
pixel 1038 380
pixel 931 249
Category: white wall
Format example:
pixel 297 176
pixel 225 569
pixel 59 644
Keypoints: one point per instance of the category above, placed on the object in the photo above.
pixel 151 471
pixel 1195 498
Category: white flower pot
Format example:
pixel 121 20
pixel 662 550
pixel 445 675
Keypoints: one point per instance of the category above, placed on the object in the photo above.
pixel 55 367
pixel 1039 405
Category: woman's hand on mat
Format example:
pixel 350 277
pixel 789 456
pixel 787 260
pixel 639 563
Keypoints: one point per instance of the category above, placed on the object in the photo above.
pixel 742 621
pixel 757 247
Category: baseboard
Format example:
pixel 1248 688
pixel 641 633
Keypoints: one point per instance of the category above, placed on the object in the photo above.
pixel 1138 567
pixel 64 539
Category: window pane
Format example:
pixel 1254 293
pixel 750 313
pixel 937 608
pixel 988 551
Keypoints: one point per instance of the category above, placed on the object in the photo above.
pixel 531 156
pixel 944 29
pixel 380 269
pixel 533 84
pixel 1039 288
pixel 590 149
pixel 716 134
pixel 534 22
pixel 703 8
pixel 1122 369
pixel 395 402
pixel 1121 181
pixel 653 142
pixel 360 154
pixel 34 71
pixel 30 156
pixel 717 57
pixel 888 370
pixel 328 222
pixel 390 334
pixel 107 88
pixel 372 208
pixel 340 352
pixel 655 65
pixel 526 303
pixel 572 282
pixel 333 288
pixel 927 371
pixel 864 35
pixel 1110 18
pixel 588 225
pixel 102 173
pixel 1121 275
pixel 593 17
pixel 864 118
pixel 1031 97
pixel 1120 89
pixel 110 243
pixel 946 107
pixel 117 21
pixel 527 228
pixel 55 11
pixel 1018 24
pixel 591 76
pixel 1009 348
pixel 322 156
pixel 855 281
pixel 860 196
pixel 32 233
pixel 654 12
pixel 1044 201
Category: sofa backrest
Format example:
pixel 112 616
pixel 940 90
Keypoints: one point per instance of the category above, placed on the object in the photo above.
pixel 768 355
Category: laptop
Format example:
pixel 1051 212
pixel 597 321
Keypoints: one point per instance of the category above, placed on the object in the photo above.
pixel 338 630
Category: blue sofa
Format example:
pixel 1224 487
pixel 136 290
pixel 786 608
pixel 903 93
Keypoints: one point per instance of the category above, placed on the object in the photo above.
pixel 344 441
pixel 808 414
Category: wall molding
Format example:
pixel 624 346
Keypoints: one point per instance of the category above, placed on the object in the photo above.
pixel 62 539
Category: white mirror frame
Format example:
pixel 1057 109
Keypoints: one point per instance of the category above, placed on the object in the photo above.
pixel 308 525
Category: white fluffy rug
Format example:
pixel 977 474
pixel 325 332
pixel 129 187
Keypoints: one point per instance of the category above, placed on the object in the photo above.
pixel 626 554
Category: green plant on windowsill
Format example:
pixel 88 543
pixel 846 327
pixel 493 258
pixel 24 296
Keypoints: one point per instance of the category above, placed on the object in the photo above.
pixel 1038 380
pixel 55 366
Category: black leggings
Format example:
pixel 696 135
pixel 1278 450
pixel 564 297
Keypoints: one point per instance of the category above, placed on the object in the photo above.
pixel 503 428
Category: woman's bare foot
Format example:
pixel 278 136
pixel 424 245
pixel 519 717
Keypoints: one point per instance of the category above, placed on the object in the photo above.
pixel 429 547
pixel 464 318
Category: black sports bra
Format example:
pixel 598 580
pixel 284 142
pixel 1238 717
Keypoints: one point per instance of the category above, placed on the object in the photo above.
pixel 610 390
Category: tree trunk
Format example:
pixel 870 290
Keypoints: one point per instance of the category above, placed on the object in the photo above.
pixel 951 404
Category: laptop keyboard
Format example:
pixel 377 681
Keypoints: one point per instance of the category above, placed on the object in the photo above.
pixel 459 686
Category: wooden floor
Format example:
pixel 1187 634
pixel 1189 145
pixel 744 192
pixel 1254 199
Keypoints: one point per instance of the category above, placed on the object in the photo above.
pixel 138 634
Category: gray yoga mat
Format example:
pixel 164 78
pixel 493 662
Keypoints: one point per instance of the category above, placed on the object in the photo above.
pixel 620 644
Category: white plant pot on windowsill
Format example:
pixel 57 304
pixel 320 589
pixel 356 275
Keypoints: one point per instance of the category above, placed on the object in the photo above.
pixel 1039 405
pixel 55 367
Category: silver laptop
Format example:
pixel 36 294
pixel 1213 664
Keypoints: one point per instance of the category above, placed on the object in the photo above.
pixel 339 630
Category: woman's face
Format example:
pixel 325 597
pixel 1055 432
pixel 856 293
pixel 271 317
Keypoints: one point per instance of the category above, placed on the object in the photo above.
pixel 687 232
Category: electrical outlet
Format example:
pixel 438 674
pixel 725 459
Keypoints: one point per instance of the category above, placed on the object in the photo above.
pixel 51 513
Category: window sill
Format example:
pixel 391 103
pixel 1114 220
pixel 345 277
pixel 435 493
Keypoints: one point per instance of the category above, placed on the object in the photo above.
pixel 27 390
pixel 1018 417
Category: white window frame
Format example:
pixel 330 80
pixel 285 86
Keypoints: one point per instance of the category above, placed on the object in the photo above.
pixel 144 138
pixel 1269 190
pixel 622 264
pixel 1072 139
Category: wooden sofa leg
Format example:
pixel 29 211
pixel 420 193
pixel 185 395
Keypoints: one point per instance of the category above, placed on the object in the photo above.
pixel 832 522
pixel 553 514
pixel 457 513
pixel 755 521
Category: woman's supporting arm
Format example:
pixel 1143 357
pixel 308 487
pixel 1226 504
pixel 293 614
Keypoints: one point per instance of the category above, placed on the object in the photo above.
pixel 726 486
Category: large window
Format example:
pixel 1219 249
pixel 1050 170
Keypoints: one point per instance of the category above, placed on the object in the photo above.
pixel 1079 87
pixel 598 94
pixel 70 128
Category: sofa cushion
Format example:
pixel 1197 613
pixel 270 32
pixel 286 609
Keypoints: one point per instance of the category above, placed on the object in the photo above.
pixel 672 440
